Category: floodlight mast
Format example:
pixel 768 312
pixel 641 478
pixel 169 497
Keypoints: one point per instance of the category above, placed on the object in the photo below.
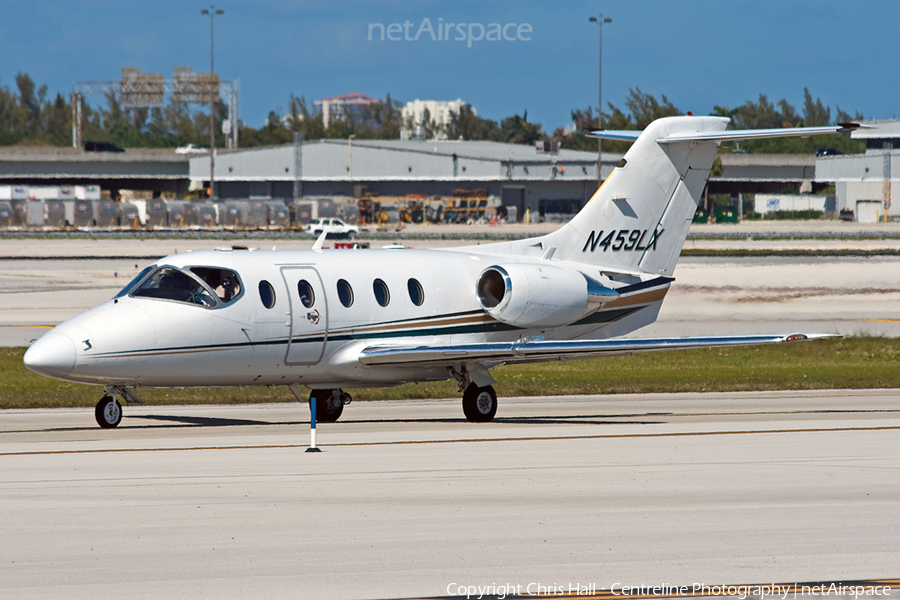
pixel 212 12
pixel 599 20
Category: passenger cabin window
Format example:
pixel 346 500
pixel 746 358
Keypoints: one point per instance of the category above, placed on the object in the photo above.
pixel 306 293
pixel 133 283
pixel 416 293
pixel 169 283
pixel 345 293
pixel 382 294
pixel 266 294
pixel 225 282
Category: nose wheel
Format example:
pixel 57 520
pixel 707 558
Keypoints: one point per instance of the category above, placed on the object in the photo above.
pixel 108 412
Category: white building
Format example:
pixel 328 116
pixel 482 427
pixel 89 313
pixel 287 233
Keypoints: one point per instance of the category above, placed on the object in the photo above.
pixel 867 184
pixel 335 107
pixel 438 112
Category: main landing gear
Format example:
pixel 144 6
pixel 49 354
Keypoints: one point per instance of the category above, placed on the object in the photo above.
pixel 479 403
pixel 108 411
pixel 329 404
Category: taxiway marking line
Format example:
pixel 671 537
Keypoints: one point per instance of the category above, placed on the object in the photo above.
pixel 460 440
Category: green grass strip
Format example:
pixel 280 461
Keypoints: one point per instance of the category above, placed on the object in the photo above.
pixel 848 363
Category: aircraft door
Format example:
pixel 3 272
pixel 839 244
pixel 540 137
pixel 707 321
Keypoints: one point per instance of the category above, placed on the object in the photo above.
pixel 308 315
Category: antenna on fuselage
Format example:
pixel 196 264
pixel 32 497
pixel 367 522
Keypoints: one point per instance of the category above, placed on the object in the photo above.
pixel 321 241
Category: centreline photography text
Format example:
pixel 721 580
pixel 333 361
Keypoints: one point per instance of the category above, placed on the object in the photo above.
pixel 783 591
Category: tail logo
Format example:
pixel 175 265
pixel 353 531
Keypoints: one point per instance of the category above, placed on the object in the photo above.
pixel 626 240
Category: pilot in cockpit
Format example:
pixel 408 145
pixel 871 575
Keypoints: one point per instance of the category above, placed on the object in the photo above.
pixel 226 289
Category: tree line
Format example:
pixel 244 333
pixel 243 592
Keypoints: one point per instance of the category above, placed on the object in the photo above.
pixel 29 116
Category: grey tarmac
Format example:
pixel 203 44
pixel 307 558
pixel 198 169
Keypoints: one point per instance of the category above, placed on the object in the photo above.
pixel 407 498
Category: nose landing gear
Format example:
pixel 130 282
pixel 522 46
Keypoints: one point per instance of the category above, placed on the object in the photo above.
pixel 108 411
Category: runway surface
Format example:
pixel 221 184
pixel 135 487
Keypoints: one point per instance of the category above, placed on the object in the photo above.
pixel 408 499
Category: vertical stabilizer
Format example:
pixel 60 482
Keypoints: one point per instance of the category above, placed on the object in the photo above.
pixel 638 219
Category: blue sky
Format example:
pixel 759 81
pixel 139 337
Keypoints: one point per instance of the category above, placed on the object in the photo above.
pixel 698 53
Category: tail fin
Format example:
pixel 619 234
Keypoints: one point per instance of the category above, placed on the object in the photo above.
pixel 638 219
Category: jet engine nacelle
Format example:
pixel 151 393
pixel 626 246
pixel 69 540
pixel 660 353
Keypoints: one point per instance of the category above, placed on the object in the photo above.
pixel 534 295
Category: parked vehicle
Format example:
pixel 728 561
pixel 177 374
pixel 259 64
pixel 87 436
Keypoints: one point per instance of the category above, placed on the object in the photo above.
pixel 334 227
pixel 91 146
pixel 192 149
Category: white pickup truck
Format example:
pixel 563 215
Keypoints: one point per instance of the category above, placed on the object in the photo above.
pixel 334 227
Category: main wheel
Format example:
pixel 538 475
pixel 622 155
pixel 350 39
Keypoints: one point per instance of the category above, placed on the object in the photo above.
pixel 108 412
pixel 328 405
pixel 479 403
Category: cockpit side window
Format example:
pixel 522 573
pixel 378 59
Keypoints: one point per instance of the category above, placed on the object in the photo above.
pixel 171 284
pixel 131 284
pixel 225 282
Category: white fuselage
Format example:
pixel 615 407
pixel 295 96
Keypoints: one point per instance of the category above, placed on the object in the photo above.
pixel 423 297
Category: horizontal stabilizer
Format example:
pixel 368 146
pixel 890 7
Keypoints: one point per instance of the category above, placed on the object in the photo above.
pixel 625 135
pixel 522 351
pixel 730 135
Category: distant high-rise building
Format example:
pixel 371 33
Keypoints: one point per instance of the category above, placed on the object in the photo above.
pixel 336 106
pixel 438 115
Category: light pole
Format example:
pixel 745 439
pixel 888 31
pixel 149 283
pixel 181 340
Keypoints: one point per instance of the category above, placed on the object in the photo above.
pixel 350 156
pixel 212 12
pixel 599 20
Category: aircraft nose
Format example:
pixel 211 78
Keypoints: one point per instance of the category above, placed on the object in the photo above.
pixel 53 355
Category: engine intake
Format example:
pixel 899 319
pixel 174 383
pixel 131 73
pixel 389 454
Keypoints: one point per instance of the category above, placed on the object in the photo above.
pixel 537 295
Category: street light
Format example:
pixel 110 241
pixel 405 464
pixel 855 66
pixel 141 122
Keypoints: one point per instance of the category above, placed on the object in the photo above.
pixel 212 12
pixel 350 156
pixel 599 20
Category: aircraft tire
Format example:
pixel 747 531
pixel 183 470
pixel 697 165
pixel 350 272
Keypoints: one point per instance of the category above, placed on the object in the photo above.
pixel 328 410
pixel 108 412
pixel 479 403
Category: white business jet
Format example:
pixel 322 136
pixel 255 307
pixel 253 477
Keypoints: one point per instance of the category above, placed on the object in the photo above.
pixel 338 320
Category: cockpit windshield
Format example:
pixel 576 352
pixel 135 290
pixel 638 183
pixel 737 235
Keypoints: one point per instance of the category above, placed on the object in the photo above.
pixel 131 284
pixel 171 284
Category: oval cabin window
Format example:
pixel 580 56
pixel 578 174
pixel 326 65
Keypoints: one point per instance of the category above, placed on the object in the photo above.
pixel 345 293
pixel 306 293
pixel 266 294
pixel 382 294
pixel 416 293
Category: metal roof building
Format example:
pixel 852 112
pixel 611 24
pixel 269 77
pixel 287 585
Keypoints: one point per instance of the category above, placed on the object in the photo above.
pixel 522 176
pixel 139 168
pixel 867 184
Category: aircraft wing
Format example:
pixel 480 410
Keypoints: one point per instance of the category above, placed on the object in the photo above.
pixel 524 351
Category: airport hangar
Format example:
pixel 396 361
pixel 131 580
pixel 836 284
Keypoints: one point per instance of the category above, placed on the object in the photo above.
pixel 523 176
pixel 552 181
pixel 541 179
pixel 150 169
pixel 867 181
